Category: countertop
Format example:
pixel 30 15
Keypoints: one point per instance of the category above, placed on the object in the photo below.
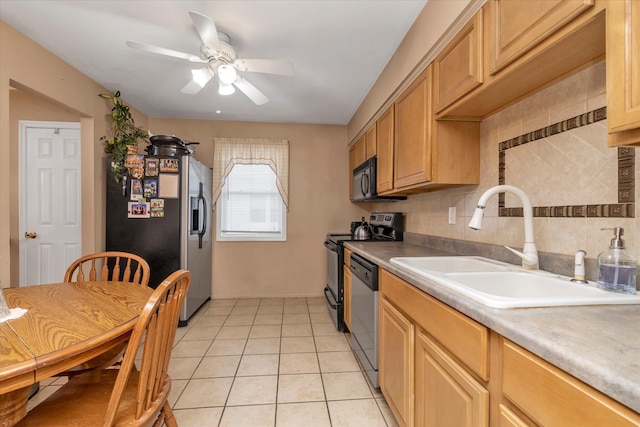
pixel 599 345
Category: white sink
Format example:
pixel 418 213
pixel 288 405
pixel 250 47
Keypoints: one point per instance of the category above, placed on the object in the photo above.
pixel 500 285
pixel 451 264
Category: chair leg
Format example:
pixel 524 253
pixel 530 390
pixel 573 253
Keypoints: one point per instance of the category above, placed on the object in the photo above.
pixel 166 416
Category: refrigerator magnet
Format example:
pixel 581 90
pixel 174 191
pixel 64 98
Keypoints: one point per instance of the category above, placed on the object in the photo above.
pixel 151 166
pixel 169 165
pixel 157 208
pixel 138 210
pixel 136 173
pixel 150 188
pixel 168 186
pixel 136 189
pixel 134 161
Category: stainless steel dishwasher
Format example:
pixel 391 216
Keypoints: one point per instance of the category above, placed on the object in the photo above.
pixel 364 315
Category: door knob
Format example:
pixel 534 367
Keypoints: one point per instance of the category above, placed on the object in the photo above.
pixel 30 235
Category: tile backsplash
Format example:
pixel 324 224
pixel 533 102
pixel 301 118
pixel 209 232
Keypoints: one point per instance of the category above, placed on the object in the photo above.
pixel 578 94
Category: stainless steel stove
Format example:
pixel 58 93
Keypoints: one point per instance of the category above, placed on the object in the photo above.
pixel 386 226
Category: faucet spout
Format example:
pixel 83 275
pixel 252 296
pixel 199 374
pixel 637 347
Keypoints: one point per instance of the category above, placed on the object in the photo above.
pixel 529 252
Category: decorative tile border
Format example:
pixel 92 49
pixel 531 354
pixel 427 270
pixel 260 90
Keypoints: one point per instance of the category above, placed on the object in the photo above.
pixel 625 208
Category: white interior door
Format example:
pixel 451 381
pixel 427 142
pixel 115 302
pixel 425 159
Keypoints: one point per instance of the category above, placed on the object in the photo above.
pixel 50 200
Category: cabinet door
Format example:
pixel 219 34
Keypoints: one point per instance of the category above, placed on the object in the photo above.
pixel 371 141
pixel 361 150
pixel 516 26
pixel 395 367
pixel 552 397
pixel 412 151
pixel 457 69
pixel 446 394
pixel 506 418
pixel 623 65
pixel 352 166
pixel 384 131
pixel 347 296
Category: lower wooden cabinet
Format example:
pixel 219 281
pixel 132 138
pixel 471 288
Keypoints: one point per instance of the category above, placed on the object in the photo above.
pixel 347 296
pixel 552 397
pixel 438 367
pixel 395 362
pixel 446 395
pixel 346 301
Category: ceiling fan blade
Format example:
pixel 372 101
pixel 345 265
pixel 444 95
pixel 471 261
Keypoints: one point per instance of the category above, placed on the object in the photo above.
pixel 206 29
pixel 271 66
pixel 251 91
pixel 164 51
pixel 191 88
pixel 200 78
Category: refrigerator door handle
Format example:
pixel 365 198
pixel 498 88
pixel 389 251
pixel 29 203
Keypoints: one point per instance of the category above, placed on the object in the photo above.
pixel 204 217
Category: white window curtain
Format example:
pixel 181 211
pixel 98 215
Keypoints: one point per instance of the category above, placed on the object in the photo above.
pixel 229 152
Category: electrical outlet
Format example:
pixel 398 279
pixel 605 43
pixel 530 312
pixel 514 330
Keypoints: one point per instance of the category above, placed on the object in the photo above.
pixel 452 215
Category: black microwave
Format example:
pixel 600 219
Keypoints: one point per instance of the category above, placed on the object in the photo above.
pixel 365 184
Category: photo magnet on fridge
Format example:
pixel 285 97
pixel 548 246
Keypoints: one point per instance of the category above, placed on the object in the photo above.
pixel 136 189
pixel 138 210
pixel 150 188
pixel 134 161
pixel 157 208
pixel 151 166
pixel 169 165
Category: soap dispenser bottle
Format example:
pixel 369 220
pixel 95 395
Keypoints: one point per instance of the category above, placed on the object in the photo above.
pixel 616 267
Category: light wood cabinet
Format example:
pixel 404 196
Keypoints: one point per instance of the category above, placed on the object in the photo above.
pixel 552 397
pixel 370 138
pixel 352 166
pixel 623 72
pixel 516 26
pixel 431 359
pixel 446 395
pixel 384 139
pixel 347 288
pixel 360 150
pixel 396 366
pixel 412 149
pixel 457 69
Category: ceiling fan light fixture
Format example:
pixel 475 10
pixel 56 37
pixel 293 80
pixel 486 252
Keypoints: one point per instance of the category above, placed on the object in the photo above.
pixel 225 89
pixel 201 76
pixel 227 74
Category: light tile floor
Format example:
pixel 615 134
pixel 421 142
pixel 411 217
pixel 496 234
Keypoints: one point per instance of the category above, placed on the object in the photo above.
pixel 266 362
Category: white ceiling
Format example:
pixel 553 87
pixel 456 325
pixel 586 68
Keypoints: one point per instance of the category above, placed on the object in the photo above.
pixel 338 49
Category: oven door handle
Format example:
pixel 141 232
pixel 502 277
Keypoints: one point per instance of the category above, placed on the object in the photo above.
pixel 333 306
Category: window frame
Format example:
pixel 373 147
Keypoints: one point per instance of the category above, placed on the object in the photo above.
pixel 249 236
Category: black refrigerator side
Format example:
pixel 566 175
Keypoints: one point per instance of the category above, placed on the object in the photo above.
pixel 156 239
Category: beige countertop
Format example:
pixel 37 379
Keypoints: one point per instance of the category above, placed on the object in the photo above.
pixel 599 345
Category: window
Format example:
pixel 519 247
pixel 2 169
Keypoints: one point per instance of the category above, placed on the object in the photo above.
pixel 250 207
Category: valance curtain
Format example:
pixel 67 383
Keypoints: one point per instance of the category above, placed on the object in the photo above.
pixel 228 152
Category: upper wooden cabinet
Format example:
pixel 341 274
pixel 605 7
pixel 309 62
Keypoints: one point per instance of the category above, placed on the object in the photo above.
pixel 527 44
pixel 360 150
pixel 370 138
pixel 430 154
pixel 458 67
pixel 412 149
pixel 623 72
pixel 385 138
pixel 516 26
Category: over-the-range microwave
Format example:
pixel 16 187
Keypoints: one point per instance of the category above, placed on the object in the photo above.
pixel 365 184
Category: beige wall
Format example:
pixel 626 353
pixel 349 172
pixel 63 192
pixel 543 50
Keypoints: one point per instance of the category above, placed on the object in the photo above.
pixel 318 203
pixel 36 71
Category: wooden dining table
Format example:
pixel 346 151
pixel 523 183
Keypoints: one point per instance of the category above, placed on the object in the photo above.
pixel 66 324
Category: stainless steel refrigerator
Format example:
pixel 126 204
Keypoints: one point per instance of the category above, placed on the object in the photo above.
pixel 162 212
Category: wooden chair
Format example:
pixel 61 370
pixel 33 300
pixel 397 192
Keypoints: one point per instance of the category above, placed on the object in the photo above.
pixel 125 396
pixel 120 266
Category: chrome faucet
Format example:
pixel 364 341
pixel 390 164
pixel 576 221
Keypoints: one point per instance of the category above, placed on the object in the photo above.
pixel 529 252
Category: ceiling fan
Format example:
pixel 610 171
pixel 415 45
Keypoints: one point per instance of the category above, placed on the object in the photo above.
pixel 222 61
